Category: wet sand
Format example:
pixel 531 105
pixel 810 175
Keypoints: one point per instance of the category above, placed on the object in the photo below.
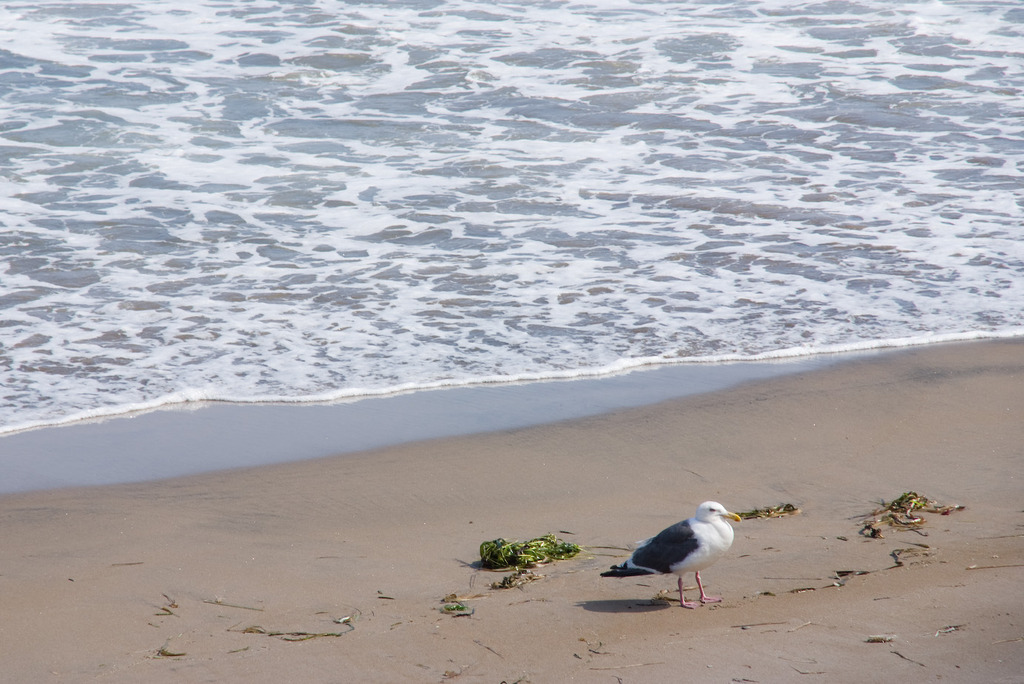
pixel 167 581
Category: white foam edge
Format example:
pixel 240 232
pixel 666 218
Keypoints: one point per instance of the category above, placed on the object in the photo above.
pixel 203 396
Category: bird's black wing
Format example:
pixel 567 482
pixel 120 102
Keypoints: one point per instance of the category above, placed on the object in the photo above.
pixel 670 546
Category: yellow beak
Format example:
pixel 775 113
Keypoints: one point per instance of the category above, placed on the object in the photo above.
pixel 733 516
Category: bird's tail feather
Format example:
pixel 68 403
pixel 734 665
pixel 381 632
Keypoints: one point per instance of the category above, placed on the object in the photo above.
pixel 624 571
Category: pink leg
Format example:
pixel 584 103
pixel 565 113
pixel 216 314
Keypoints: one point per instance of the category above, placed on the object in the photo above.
pixel 683 602
pixel 704 598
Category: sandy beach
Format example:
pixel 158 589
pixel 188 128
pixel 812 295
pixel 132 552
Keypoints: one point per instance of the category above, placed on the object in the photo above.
pixel 336 570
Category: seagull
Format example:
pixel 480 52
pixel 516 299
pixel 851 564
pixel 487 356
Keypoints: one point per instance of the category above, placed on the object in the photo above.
pixel 687 546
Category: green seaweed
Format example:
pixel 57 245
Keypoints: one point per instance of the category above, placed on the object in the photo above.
pixel 907 502
pixel 457 609
pixel 900 513
pixel 516 579
pixel 770 512
pixel 500 554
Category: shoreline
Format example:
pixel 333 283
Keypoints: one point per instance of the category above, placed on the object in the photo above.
pixel 194 438
pixel 160 581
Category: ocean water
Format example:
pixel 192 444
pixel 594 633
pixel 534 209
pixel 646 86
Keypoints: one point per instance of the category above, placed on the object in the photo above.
pixel 278 200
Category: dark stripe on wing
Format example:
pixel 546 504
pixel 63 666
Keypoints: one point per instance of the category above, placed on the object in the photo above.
pixel 672 545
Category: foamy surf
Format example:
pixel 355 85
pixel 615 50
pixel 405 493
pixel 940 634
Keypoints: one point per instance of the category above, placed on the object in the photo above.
pixel 229 202
pixel 182 399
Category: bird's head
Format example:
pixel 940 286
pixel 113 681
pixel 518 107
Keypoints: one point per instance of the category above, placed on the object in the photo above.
pixel 709 510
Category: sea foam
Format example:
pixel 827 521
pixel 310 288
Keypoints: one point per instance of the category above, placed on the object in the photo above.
pixel 280 202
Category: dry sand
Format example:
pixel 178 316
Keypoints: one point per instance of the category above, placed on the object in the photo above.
pixel 96 583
